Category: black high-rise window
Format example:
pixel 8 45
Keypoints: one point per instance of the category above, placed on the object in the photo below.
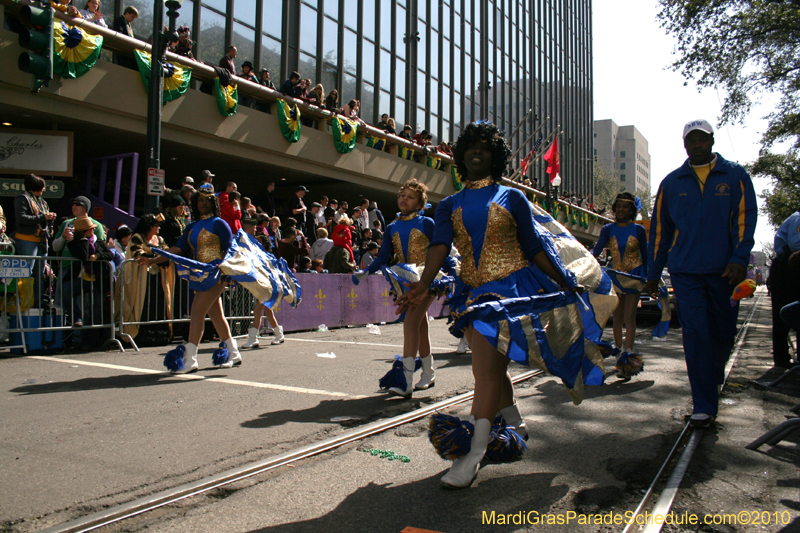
pixel 433 64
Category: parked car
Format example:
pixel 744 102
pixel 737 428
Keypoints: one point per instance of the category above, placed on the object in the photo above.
pixel 648 307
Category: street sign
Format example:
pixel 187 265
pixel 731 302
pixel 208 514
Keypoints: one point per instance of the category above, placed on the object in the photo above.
pixel 155 182
pixel 15 268
pixel 15 187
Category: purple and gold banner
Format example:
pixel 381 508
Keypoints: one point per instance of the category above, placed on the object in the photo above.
pixel 333 300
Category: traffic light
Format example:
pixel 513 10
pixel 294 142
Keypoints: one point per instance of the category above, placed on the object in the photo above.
pixel 37 36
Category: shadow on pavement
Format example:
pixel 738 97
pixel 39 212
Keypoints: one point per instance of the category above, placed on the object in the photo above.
pixel 427 505
pixel 108 382
pixel 364 409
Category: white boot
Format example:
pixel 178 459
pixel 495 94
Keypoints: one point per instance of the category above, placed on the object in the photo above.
pixel 189 359
pixel 428 378
pixel 462 346
pixel 465 469
pixel 234 357
pixel 408 362
pixel 514 419
pixel 278 335
pixel 252 339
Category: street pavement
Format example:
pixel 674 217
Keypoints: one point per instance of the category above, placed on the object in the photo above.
pixel 82 432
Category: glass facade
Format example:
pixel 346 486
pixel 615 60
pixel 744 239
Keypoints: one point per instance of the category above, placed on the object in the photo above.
pixel 433 64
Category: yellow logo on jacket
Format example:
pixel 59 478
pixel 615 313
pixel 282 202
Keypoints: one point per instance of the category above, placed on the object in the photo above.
pixel 723 189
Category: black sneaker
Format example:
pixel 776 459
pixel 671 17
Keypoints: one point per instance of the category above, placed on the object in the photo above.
pixel 701 420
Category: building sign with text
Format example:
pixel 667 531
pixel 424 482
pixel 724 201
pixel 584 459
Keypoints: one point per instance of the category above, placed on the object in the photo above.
pixel 48 153
pixel 15 187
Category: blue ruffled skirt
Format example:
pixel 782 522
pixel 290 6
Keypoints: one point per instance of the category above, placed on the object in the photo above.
pixel 527 319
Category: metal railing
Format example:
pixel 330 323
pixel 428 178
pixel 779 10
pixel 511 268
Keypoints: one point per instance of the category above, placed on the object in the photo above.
pixel 143 301
pixel 51 296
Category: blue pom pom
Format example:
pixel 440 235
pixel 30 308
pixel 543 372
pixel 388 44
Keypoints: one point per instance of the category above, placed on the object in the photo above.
pixel 505 444
pixel 220 355
pixel 451 437
pixel 394 377
pixel 355 279
pixel 417 364
pixel 174 359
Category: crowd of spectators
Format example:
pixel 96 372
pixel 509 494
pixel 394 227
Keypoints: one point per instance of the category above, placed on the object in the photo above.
pixel 295 86
pixel 323 236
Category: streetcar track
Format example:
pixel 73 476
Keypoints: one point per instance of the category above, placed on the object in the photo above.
pixel 155 501
pixel 161 499
pixel 667 498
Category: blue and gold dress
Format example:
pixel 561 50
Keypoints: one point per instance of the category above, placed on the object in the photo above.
pixel 627 244
pixel 406 240
pixel 208 240
pixel 500 293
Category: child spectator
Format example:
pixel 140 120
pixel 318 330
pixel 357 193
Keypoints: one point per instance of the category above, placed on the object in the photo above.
pixel 316 266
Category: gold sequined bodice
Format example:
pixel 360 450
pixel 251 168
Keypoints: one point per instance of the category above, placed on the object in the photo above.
pixel 208 244
pixel 632 257
pixel 502 252
pixel 418 244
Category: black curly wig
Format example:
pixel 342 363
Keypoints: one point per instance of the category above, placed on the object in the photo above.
pixel 629 198
pixel 215 211
pixel 483 131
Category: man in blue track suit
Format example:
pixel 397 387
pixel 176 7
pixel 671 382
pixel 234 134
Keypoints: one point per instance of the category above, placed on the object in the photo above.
pixel 703 224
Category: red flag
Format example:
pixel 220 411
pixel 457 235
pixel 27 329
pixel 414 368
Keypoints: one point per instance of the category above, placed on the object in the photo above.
pixel 524 164
pixel 553 163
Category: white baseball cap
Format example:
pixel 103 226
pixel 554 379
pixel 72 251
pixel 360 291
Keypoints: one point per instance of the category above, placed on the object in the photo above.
pixel 699 124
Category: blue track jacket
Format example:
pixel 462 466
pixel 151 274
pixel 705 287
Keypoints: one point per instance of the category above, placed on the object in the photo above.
pixel 701 232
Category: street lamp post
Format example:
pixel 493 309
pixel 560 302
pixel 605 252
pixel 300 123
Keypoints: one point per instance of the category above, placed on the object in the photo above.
pixel 155 95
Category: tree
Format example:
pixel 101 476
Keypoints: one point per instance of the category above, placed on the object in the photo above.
pixel 784 171
pixel 747 48
pixel 606 187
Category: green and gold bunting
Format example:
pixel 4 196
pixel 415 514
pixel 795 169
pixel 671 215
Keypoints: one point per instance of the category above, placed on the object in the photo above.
pixel 406 153
pixel 75 51
pixel 227 98
pixel 176 77
pixel 344 134
pixel 376 142
pixel 458 182
pixel 289 120
pixel 435 162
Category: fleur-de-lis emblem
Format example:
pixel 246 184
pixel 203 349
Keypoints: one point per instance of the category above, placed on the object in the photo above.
pixel 385 295
pixel 319 296
pixel 352 297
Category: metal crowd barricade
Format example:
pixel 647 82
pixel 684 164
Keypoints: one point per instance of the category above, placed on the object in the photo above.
pixel 49 298
pixel 237 303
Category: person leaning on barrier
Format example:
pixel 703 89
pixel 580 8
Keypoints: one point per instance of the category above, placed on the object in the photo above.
pixel 119 244
pixel 80 208
pixel 174 220
pixel 91 282
pixel 34 224
pixel 147 291
pixel 785 283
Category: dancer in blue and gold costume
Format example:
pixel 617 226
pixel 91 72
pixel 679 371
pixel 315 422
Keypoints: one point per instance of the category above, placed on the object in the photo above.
pixel 208 240
pixel 514 299
pixel 407 239
pixel 627 243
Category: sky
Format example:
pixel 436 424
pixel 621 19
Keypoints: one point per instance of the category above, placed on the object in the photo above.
pixel 633 86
